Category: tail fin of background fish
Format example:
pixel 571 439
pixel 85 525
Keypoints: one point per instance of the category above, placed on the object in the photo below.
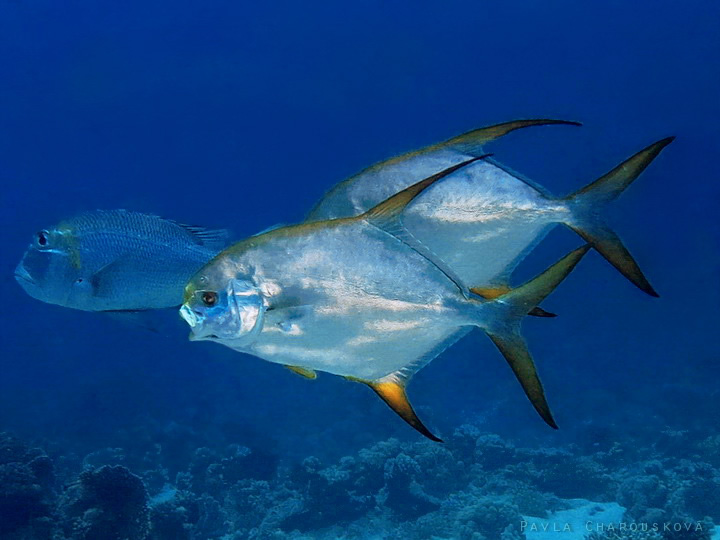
pixel 588 204
pixel 505 314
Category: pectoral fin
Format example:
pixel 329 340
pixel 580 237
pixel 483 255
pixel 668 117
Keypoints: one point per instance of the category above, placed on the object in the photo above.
pixel 393 393
pixel 303 372
pixel 102 280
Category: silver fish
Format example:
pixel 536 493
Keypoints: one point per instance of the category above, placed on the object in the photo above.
pixel 115 260
pixel 484 219
pixel 355 298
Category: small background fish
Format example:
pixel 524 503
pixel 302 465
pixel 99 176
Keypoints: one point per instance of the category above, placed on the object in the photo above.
pixel 115 260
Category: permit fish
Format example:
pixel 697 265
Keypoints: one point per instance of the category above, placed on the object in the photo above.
pixel 484 219
pixel 116 260
pixel 356 297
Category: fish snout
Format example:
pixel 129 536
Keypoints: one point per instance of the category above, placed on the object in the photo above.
pixel 196 320
pixel 191 317
pixel 22 276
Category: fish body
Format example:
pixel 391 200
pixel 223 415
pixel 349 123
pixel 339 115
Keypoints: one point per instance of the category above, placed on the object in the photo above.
pixel 484 219
pixel 356 297
pixel 346 299
pixel 115 260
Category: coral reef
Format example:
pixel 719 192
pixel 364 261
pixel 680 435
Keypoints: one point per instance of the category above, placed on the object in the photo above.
pixel 26 490
pixel 108 503
pixel 477 486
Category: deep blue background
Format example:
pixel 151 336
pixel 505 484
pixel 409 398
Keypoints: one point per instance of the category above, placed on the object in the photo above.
pixel 242 115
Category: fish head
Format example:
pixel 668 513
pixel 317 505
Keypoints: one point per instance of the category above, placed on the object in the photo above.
pixel 51 269
pixel 221 308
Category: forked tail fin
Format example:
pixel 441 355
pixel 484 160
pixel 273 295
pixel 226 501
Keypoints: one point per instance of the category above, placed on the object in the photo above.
pixel 588 204
pixel 501 321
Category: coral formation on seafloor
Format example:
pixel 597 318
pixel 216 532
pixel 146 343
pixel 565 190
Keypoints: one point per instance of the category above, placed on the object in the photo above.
pixel 476 486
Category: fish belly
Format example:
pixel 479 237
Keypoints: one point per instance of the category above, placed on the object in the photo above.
pixel 366 346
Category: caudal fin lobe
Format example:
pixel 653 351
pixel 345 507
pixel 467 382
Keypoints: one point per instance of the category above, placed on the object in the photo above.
pixel 588 204
pixel 505 333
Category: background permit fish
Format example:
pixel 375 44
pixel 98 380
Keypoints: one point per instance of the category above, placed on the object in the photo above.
pixel 352 298
pixel 483 220
pixel 116 261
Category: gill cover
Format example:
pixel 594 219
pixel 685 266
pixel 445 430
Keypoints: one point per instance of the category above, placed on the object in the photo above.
pixel 239 313
pixel 248 305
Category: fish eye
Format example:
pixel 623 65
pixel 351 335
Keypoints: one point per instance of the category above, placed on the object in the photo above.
pixel 43 238
pixel 209 298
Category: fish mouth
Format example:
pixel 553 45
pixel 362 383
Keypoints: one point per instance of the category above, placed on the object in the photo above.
pixel 23 275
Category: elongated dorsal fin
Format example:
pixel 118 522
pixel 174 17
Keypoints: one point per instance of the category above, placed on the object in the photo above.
pixel 472 141
pixel 387 216
pixel 392 392
pixel 303 372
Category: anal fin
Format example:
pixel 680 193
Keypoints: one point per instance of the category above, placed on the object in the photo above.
pixel 393 393
pixel 490 293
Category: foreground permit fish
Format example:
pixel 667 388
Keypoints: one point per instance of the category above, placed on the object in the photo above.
pixel 115 261
pixel 355 297
pixel 484 219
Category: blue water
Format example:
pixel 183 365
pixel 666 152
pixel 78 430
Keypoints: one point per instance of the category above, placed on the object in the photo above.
pixel 242 116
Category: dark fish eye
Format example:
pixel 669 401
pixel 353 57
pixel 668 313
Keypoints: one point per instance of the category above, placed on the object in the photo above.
pixel 43 238
pixel 209 298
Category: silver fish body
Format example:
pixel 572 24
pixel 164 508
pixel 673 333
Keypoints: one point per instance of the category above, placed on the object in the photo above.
pixel 480 220
pixel 115 261
pixel 484 219
pixel 358 298
pixel 347 299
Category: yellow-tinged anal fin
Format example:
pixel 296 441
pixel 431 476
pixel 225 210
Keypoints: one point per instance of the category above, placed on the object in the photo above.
pixel 490 293
pixel 393 393
pixel 303 372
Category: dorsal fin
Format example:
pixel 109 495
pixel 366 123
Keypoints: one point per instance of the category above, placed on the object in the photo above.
pixel 471 142
pixel 387 216
pixel 210 238
pixel 392 391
